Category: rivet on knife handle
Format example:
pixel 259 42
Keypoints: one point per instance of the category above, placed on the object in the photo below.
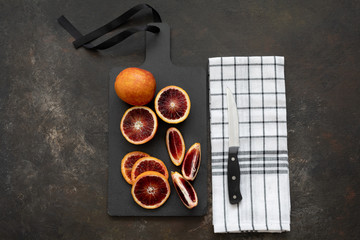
pixel 234 176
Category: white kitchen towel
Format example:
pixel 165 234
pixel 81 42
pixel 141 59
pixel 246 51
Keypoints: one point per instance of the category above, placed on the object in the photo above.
pixel 258 84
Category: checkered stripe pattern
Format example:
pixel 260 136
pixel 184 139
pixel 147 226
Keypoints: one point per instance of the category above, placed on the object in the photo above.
pixel 258 84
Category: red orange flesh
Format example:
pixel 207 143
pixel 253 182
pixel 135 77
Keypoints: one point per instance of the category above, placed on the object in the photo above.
pixel 139 124
pixel 172 104
pixel 175 145
pixel 191 163
pixel 127 163
pixel 150 190
pixel 148 164
pixel 185 190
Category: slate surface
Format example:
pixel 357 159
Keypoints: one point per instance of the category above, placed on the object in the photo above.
pixel 194 129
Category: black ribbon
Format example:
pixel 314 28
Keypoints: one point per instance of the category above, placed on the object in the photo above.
pixel 84 40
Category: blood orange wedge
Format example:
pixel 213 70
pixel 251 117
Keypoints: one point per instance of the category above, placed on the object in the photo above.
pixel 172 104
pixel 150 190
pixel 138 125
pixel 127 163
pixel 175 145
pixel 191 162
pixel 185 190
pixel 148 164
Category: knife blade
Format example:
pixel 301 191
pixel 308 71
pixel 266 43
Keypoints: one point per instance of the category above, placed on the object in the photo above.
pixel 233 168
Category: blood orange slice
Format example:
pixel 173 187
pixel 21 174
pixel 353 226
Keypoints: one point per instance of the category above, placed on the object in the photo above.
pixel 185 190
pixel 175 145
pixel 127 163
pixel 172 104
pixel 148 164
pixel 150 190
pixel 138 125
pixel 191 162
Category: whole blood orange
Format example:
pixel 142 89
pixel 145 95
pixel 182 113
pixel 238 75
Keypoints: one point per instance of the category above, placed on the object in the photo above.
pixel 127 163
pixel 191 162
pixel 185 190
pixel 138 124
pixel 135 86
pixel 148 164
pixel 172 104
pixel 175 145
pixel 150 190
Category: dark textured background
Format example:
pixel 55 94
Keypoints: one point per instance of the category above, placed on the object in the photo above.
pixel 53 130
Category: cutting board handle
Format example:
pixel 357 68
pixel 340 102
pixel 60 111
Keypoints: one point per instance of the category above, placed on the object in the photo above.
pixel 158 46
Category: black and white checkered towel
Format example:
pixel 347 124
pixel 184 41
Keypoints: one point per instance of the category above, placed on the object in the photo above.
pixel 258 84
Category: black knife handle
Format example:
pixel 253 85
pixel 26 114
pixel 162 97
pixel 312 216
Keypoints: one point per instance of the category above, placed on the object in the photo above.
pixel 234 176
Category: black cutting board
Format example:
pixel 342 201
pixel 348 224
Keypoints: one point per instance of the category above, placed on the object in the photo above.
pixel 194 129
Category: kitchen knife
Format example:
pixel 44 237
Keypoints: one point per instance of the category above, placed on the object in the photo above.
pixel 233 168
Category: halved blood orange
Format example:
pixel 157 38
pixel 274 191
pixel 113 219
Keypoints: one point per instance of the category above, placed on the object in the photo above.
pixel 191 162
pixel 148 164
pixel 138 124
pixel 185 190
pixel 150 190
pixel 175 145
pixel 127 163
pixel 172 104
